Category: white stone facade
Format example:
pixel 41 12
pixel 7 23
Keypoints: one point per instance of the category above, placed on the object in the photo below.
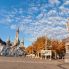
pixel 67 52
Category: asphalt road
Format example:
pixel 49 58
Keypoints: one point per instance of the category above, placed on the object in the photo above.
pixel 28 63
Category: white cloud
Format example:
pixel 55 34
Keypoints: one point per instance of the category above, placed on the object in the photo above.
pixel 50 25
pixel 46 23
pixel 52 13
pixel 54 1
pixel 66 2
pixel 64 10
pixel 13 26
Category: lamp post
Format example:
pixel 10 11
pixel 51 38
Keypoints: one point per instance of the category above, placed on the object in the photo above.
pixel 67 44
pixel 46 42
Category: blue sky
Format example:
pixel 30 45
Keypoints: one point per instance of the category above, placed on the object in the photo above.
pixel 35 18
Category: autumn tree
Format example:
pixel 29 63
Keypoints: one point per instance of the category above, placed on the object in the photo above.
pixel 29 49
pixel 40 43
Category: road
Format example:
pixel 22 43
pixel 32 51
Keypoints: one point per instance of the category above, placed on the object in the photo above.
pixel 31 63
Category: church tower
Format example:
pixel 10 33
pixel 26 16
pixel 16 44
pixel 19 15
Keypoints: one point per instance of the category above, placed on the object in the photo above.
pixel 16 41
pixel 22 43
pixel 8 41
pixel 17 34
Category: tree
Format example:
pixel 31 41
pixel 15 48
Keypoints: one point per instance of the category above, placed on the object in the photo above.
pixel 54 45
pixel 29 49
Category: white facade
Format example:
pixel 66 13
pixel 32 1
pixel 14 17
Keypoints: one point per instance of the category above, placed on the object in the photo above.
pixel 67 52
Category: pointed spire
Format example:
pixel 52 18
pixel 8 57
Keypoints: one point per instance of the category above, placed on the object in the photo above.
pixel 17 33
pixel 22 41
pixel 8 39
pixel 16 41
pixel 18 29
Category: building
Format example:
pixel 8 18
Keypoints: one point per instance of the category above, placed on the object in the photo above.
pixel 67 43
pixel 67 49
pixel 12 49
pixel 16 41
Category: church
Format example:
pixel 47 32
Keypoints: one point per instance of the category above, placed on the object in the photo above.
pixel 12 49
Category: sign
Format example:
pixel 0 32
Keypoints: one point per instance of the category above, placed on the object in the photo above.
pixel 46 52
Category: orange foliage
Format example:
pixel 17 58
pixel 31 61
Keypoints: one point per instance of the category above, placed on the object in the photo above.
pixel 39 44
pixel 58 45
pixel 29 49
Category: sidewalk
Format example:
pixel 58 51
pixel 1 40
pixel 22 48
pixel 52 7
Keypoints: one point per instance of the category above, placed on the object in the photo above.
pixel 65 65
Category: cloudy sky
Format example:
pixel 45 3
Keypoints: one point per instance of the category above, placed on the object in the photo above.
pixel 35 18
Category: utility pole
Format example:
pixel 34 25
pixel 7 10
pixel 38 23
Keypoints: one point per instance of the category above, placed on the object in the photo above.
pixel 46 42
pixel 67 44
pixel 45 45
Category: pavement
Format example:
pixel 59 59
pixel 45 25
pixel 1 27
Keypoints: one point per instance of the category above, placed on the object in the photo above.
pixel 31 63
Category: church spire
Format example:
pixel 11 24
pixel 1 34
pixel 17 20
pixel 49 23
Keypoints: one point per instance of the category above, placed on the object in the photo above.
pixel 22 42
pixel 8 41
pixel 16 41
pixel 17 32
pixel 18 29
